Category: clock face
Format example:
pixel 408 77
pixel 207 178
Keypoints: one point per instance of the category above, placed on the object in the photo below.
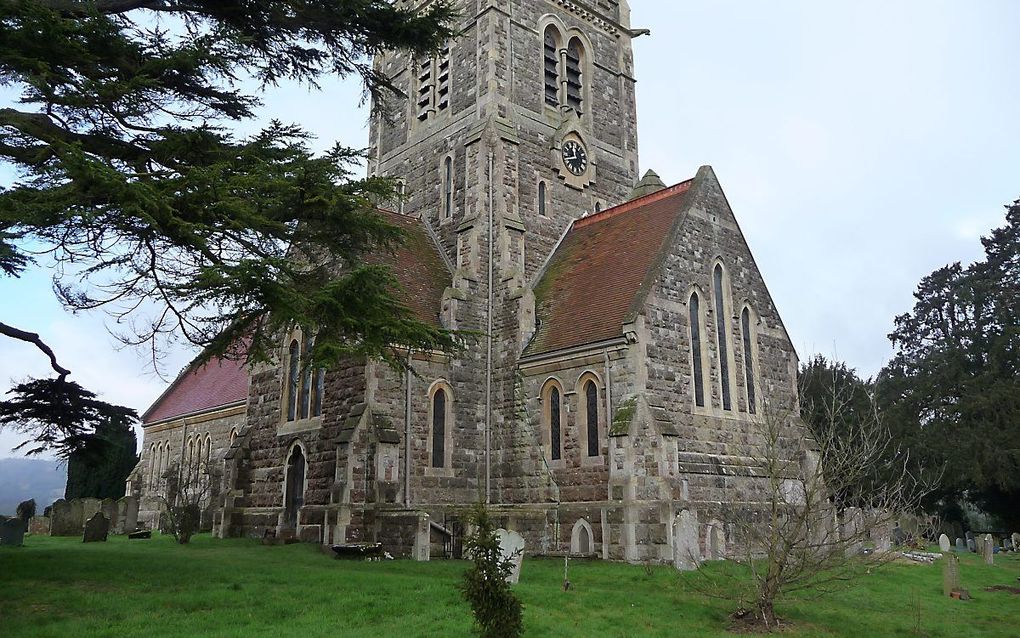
pixel 575 158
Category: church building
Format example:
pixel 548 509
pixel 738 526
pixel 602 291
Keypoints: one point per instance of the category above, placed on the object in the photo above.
pixel 629 341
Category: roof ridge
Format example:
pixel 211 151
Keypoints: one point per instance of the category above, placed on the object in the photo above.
pixel 676 189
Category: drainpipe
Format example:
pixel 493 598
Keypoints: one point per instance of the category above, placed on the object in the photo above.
pixel 609 413
pixel 407 432
pixel 488 348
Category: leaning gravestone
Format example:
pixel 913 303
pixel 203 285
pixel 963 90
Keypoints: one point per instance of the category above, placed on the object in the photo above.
pixel 686 548
pixel 89 507
pixel 944 543
pixel 950 575
pixel 97 529
pixel 39 526
pixel 12 532
pixel 988 549
pixel 511 545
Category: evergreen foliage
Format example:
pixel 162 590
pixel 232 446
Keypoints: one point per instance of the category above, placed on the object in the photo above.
pixel 952 391
pixel 498 612
pixel 101 467
pixel 132 184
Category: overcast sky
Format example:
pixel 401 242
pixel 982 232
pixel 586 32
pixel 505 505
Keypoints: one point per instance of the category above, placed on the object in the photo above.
pixel 862 144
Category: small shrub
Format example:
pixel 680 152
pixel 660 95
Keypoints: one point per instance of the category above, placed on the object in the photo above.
pixel 498 612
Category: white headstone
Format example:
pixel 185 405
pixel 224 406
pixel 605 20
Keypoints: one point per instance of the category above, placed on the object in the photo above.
pixel 944 545
pixel 511 545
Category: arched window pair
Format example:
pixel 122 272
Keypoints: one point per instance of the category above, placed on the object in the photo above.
pixel 432 76
pixel 159 462
pixel 722 331
pixel 589 401
pixel 563 70
pixel 441 425
pixel 305 386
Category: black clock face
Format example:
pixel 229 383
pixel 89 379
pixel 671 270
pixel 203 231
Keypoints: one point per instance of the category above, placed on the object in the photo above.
pixel 575 158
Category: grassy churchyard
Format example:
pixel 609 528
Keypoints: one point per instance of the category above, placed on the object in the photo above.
pixel 61 587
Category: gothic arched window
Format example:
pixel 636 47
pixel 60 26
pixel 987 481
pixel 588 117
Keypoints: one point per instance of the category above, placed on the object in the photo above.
pixel 318 391
pixel 542 196
pixel 697 364
pixel 439 428
pixel 745 329
pixel 591 413
pixel 575 75
pixel 553 419
pixel 721 336
pixel 293 378
pixel 551 65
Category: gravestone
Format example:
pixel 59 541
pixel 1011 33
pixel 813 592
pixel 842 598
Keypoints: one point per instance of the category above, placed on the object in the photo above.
pixel 971 545
pixel 853 531
pixel 127 515
pixel 66 518
pixel 988 549
pixel 944 543
pixel 108 507
pixel 12 532
pixel 950 575
pixel 39 526
pixel 1016 542
pixel 686 548
pixel 142 534
pixel 422 550
pixel 89 507
pixel 961 546
pixel 97 529
pixel 881 536
pixel 511 545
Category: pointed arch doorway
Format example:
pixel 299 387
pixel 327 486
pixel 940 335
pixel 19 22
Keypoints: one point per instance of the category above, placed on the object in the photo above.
pixel 294 490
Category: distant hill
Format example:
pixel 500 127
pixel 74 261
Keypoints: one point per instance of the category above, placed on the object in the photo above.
pixel 22 479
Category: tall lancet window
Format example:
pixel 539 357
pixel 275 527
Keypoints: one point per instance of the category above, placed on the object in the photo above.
pixel 574 75
pixel 697 364
pixel 591 413
pixel 553 416
pixel 745 329
pixel 439 428
pixel 293 379
pixel 447 188
pixel 721 336
pixel 542 195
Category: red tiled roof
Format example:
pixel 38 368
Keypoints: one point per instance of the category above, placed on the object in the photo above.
pixel 215 384
pixel 593 280
pixel 417 266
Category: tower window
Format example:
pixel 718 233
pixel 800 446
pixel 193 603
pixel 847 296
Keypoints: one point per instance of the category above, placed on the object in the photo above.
pixel 304 385
pixel 542 195
pixel 433 77
pixel 720 318
pixel 447 188
pixel 574 76
pixel 551 67
pixel 745 329
pixel 306 380
pixel 697 365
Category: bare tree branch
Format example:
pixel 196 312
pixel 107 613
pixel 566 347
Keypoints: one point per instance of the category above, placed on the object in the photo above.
pixel 36 340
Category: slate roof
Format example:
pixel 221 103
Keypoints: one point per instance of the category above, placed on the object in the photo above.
pixel 216 384
pixel 596 279
pixel 416 265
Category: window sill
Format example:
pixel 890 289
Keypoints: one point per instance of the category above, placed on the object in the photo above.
pixel 440 472
pixel 593 461
pixel 302 425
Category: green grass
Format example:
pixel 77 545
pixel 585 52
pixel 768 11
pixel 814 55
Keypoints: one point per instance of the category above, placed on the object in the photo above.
pixel 61 587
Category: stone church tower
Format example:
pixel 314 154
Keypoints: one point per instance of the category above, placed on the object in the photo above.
pixel 623 342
